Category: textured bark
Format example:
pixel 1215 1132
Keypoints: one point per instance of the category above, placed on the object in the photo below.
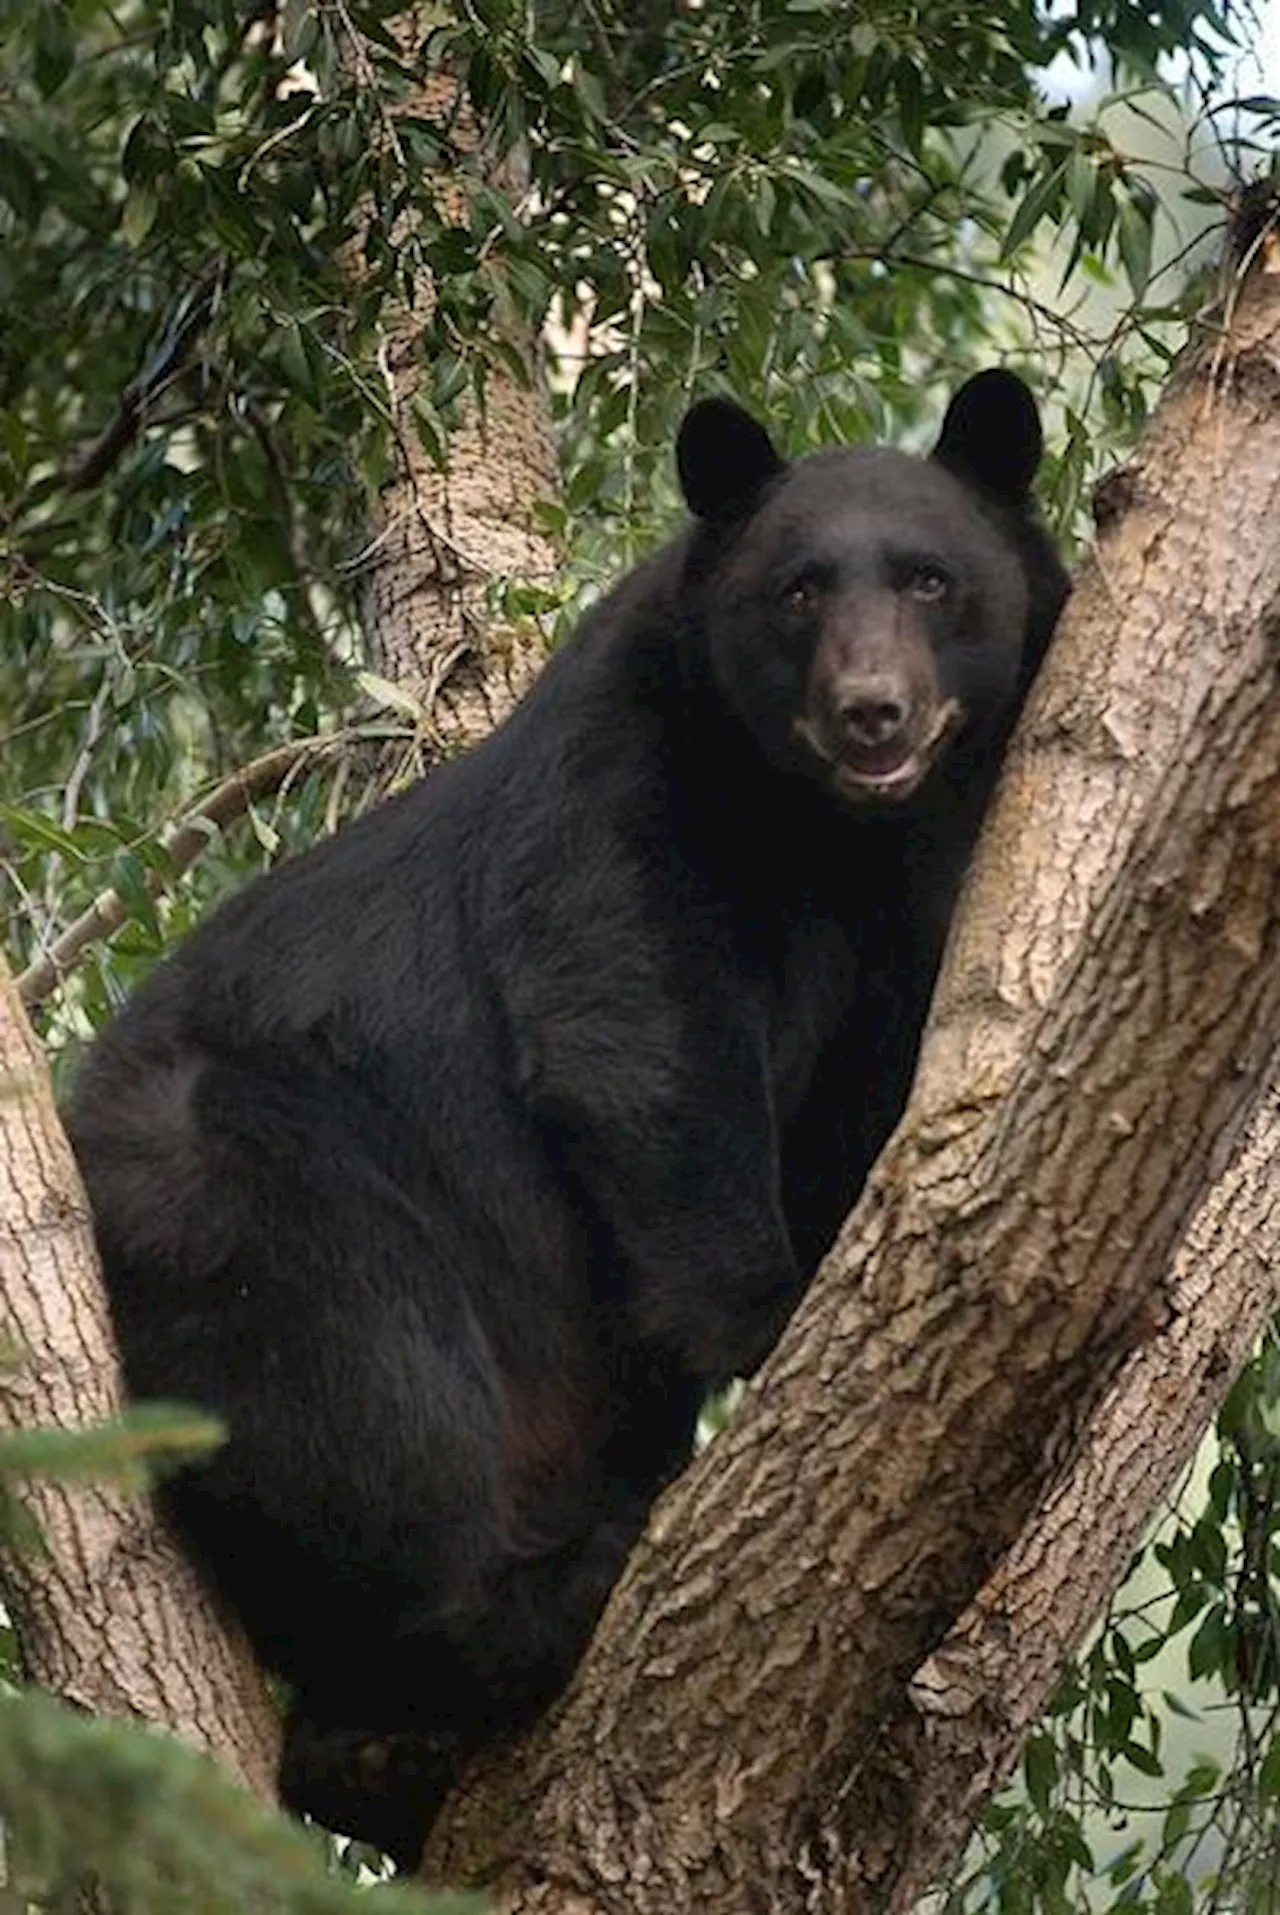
pixel 441 538
pixel 743 1733
pixel 110 1616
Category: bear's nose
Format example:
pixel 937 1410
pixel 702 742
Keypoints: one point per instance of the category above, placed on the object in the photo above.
pixel 873 711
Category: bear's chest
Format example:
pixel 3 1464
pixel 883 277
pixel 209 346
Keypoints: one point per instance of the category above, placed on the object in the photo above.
pixel 839 977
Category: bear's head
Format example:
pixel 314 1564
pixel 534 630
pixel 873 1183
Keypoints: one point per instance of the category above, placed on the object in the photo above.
pixel 863 610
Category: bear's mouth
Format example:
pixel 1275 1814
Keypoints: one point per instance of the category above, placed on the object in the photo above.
pixel 890 771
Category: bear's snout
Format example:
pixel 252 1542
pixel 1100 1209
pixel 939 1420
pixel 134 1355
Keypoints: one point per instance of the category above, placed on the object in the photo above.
pixel 878 736
pixel 873 712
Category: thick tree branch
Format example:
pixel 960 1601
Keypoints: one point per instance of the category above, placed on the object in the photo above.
pixel 742 1733
pixel 983 1690
pixel 111 1616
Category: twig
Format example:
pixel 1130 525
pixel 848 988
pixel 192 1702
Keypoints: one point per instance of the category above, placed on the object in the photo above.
pixel 295 539
pixel 185 842
pixel 87 468
pixel 84 758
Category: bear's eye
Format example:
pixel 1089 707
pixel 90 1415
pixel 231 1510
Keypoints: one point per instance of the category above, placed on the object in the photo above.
pixel 800 596
pixel 928 582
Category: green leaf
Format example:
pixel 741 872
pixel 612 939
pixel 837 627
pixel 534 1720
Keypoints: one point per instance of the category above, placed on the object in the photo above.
pixel 765 200
pixel 20 185
pixel 295 360
pixel 1222 1483
pixel 1173 1896
pixel 1207 1650
pixel 449 379
pixel 139 216
pixel 55 47
pixel 1191 1601
pixel 29 828
pixel 1042 199
pixel 1209 1550
pixel 910 92
pixel 128 878
pixel 1040 1770
pixel 128 1446
pixel 1142 1759
pixel 1134 234
pixel 1238 1406
pixel 1176 1823
pixel 1126 1863
pixel 1268 1774
pixel 430 433
pixel 1081 179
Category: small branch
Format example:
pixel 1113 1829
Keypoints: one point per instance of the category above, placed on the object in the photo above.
pixel 1060 322
pixel 278 475
pixel 84 757
pixel 227 802
pixel 90 466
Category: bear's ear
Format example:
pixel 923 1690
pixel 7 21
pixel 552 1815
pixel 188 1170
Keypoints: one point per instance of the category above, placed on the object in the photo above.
pixel 991 435
pixel 724 459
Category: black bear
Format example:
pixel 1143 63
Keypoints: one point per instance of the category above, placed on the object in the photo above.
pixel 454 1161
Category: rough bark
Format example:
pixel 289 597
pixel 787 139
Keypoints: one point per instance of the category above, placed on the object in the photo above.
pixel 742 1734
pixel 110 1615
pixel 442 538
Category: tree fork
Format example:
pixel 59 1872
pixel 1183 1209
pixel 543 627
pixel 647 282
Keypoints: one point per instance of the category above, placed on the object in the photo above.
pixel 744 1732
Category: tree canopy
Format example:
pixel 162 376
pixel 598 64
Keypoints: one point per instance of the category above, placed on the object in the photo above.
pixel 834 214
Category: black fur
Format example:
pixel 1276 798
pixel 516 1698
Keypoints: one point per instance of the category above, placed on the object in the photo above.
pixel 454 1161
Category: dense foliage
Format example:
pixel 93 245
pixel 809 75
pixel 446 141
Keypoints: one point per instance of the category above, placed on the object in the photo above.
pixel 834 211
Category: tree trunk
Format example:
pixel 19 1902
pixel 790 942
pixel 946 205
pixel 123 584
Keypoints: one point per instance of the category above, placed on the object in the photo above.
pixel 110 1615
pixel 744 1733
pixel 441 538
